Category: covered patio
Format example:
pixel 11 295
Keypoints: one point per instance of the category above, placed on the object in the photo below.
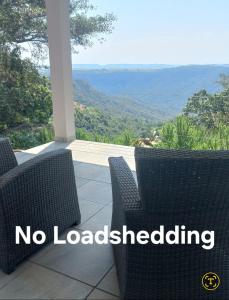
pixel 68 271
pixel 74 271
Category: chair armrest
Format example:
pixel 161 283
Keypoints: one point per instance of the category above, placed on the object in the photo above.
pixel 38 165
pixel 127 206
pixel 40 193
pixel 124 187
pixel 127 211
pixel 7 157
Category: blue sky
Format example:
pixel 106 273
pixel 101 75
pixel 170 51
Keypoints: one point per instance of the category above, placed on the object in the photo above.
pixel 163 32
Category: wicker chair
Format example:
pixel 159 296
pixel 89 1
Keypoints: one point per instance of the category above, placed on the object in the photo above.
pixel 188 188
pixel 40 193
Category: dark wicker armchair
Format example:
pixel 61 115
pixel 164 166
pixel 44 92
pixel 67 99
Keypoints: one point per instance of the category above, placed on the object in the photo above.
pixel 40 193
pixel 188 188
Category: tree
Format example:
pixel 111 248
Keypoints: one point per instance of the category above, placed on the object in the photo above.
pixel 24 21
pixel 209 110
pixel 181 133
pixel 177 134
pixel 204 124
pixel 25 97
pixel 224 81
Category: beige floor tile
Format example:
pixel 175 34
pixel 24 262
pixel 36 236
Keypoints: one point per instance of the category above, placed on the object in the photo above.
pixel 110 283
pixel 36 282
pixel 96 191
pixel 100 295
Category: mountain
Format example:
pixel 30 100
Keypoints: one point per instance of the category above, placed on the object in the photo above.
pixel 148 92
pixel 120 66
pixel 124 106
pixel 158 94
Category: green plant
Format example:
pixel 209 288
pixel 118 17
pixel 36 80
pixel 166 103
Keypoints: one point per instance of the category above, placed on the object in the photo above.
pixel 25 97
pixel 24 21
pixel 29 137
pixel 182 133
pixel 126 138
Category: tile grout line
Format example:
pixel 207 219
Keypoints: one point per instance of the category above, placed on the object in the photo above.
pixel 108 292
pixel 96 287
pixel 23 269
pixel 89 179
pixel 100 203
pixel 68 276
pixel 75 279
pixel 105 275
pixel 60 273
pixel 91 216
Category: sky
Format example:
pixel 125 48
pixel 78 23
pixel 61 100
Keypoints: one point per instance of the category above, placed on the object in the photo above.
pixel 162 32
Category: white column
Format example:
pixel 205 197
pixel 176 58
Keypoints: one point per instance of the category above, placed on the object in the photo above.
pixel 61 69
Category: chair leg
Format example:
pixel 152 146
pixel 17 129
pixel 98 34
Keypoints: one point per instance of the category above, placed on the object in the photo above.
pixel 77 222
pixel 8 270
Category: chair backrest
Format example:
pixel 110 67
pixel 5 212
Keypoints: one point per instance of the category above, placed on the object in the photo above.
pixel 189 188
pixel 180 181
pixel 7 158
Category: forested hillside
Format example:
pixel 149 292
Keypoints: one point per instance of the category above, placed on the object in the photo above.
pixel 117 106
pixel 123 106
pixel 98 123
pixel 162 93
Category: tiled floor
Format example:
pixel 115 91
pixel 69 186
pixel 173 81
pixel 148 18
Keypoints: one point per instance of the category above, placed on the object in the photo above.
pixel 74 271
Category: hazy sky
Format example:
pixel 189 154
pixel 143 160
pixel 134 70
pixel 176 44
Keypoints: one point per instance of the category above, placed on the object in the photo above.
pixel 163 32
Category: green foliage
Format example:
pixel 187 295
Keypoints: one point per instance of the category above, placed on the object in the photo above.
pixel 24 21
pixel 25 97
pixel 209 110
pixel 138 116
pixel 96 121
pixel 177 134
pixel 150 94
pixel 25 101
pixel 224 81
pixel 83 134
pixel 126 137
pixel 92 120
pixel 182 133
pixel 29 137
pixel 204 125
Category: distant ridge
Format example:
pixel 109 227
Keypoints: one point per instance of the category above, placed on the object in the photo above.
pixel 121 66
pixel 164 90
pixel 139 67
pixel 117 106
pixel 147 92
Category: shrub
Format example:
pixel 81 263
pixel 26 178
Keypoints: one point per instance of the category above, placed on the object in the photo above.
pixel 182 133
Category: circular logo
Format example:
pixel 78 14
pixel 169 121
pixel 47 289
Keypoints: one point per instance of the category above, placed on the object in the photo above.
pixel 210 281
